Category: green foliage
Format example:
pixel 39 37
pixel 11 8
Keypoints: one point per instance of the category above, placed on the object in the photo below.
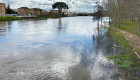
pixel 60 5
pixel 9 10
pixel 51 15
pixel 99 13
pixel 8 18
pixel 47 16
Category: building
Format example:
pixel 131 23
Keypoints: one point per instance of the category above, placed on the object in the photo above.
pixel 2 9
pixel 65 12
pixel 25 11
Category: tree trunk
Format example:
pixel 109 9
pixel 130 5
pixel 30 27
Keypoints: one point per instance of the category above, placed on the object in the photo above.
pixel 119 21
pixel 139 25
pixel 101 21
pixel 60 10
pixel 98 24
pixel 118 12
pixel 109 20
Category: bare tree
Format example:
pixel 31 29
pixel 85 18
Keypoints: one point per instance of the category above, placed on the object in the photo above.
pixel 122 9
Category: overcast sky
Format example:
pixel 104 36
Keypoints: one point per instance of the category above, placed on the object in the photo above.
pixel 74 5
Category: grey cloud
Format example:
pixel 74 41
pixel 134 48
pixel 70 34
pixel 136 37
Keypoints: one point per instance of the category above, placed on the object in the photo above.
pixel 75 5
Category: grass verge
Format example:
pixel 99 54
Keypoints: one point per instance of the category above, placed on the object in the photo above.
pixel 51 15
pixel 126 60
pixel 8 18
pixel 128 26
pixel 123 59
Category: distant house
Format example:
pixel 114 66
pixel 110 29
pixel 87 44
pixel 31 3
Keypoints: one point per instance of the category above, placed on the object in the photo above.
pixel 43 13
pixel 25 11
pixel 65 12
pixel 2 9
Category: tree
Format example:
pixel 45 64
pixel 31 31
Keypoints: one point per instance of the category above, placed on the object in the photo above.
pixel 98 14
pixel 9 10
pixel 60 6
pixel 123 9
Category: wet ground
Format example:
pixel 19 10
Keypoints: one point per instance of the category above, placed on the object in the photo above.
pixel 71 48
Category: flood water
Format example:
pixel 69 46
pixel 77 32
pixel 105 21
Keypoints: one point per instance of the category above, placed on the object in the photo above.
pixel 71 48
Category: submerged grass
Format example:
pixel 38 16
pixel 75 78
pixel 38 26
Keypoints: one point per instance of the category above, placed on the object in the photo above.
pixel 8 18
pixel 123 59
pixel 126 59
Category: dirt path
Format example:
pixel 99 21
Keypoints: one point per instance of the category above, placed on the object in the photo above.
pixel 133 40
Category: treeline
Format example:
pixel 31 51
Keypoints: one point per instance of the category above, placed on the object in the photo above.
pixel 10 11
pixel 98 12
pixel 117 10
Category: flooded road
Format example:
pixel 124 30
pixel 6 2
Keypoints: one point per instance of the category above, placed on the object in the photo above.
pixel 71 48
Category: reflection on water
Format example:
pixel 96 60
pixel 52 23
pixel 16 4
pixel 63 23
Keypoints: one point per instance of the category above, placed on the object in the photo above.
pixel 71 48
pixel 2 26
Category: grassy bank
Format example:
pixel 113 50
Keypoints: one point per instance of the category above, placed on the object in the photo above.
pixel 51 15
pixel 8 18
pixel 126 60
pixel 123 59
pixel 47 16
pixel 128 26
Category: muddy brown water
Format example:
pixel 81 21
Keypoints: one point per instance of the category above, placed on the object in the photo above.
pixel 70 48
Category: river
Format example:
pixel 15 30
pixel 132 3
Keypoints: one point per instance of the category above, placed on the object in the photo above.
pixel 70 48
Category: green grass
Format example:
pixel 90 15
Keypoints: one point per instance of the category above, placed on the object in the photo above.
pixel 119 38
pixel 136 78
pixel 126 59
pixel 123 59
pixel 128 25
pixel 8 18
pixel 47 16
pixel 51 15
